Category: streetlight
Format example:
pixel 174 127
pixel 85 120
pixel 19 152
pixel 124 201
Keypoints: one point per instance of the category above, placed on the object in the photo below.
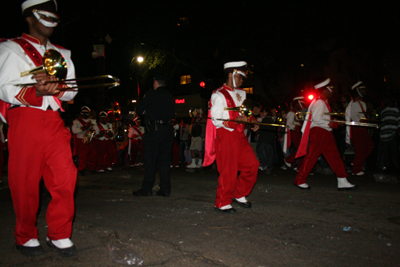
pixel 139 59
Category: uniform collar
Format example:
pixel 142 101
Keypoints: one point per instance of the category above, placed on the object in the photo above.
pixel 227 87
pixel 31 39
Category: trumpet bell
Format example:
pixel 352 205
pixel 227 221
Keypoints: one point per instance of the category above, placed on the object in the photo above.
pixel 54 64
pixel 245 108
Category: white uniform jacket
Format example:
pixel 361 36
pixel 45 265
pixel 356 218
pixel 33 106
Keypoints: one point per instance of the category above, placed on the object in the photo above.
pixel 14 60
pixel 218 102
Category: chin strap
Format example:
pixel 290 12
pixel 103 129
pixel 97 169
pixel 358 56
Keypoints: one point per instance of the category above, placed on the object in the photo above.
pixel 233 76
pixel 53 17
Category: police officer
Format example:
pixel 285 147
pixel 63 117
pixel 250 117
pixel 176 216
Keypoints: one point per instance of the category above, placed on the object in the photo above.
pixel 158 108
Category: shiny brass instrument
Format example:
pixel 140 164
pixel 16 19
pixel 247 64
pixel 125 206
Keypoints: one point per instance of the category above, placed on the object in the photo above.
pixel 54 64
pixel 299 116
pixel 245 108
pixel 248 122
pixel 90 132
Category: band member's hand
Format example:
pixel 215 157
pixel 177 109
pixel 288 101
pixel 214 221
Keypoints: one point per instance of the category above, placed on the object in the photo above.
pixel 255 128
pixel 333 124
pixel 241 118
pixel 44 88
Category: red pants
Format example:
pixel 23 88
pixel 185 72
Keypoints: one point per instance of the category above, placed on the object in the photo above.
pixel 106 154
pixel 1 157
pixel 234 154
pixel 87 155
pixel 39 146
pixel 321 142
pixel 175 153
pixel 136 146
pixel 363 146
pixel 295 136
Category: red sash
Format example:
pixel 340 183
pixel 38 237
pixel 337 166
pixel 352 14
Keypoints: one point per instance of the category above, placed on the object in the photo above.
pixel 85 124
pixel 211 130
pixel 137 130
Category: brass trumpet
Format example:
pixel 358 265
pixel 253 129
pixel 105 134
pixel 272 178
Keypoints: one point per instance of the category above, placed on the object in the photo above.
pixel 54 64
pixel 245 108
pixel 299 117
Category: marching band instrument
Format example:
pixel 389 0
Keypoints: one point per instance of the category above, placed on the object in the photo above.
pixel 245 108
pixel 90 132
pixel 248 122
pixel 54 64
pixel 299 118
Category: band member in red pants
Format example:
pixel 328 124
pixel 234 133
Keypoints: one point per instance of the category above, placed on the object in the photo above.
pixel 358 136
pixel 45 150
pixel 227 143
pixel 317 133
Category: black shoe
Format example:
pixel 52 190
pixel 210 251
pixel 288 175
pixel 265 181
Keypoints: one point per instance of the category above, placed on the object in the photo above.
pixel 231 210
pixel 163 194
pixel 348 188
pixel 66 252
pixel 242 204
pixel 31 251
pixel 141 193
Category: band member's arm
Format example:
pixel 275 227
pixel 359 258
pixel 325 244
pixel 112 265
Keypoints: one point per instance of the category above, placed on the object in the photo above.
pixel 11 67
pixel 76 127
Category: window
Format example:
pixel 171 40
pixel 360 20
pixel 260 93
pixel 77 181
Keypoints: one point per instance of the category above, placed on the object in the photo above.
pixel 186 79
pixel 249 90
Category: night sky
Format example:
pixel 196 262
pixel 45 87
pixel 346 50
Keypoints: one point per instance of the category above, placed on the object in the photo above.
pixel 216 31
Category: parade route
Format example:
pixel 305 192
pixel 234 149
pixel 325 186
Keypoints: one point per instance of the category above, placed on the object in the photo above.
pixel 286 226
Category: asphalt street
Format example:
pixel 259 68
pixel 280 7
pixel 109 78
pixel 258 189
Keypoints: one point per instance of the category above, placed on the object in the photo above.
pixel 286 226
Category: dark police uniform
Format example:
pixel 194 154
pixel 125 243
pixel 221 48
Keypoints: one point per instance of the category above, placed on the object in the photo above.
pixel 158 107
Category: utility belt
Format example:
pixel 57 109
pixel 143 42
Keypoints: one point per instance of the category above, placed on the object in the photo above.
pixel 153 125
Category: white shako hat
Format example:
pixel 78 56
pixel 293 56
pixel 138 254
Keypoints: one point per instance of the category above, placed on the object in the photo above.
pixel 103 114
pixel 234 67
pixel 299 99
pixel 358 85
pixel 39 8
pixel 85 109
pixel 324 84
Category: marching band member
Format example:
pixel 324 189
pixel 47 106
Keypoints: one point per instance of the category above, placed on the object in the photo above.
pixel 83 129
pixel 106 150
pixel 135 136
pixel 45 151
pixel 294 130
pixel 227 143
pixel 358 136
pixel 317 131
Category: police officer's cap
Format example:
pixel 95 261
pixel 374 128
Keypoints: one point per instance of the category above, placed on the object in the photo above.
pixel 160 77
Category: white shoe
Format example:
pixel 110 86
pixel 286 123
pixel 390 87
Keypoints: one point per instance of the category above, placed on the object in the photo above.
pixel 100 170
pixel 304 186
pixel 199 165
pixel 192 165
pixel 343 184
pixel 287 164
pixel 109 169
pixel 361 173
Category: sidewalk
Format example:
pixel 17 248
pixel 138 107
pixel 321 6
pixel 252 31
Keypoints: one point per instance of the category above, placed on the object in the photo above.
pixel 285 226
